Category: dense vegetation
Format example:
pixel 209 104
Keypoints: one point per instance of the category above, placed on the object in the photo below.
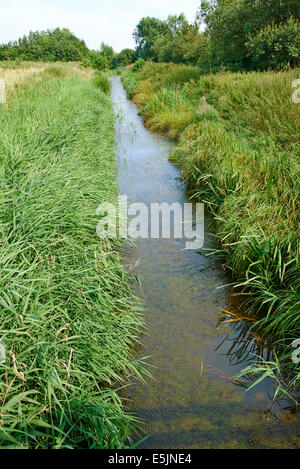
pixel 62 45
pixel 173 40
pixel 68 318
pixel 47 46
pixel 238 148
pixel 253 34
pixel 241 34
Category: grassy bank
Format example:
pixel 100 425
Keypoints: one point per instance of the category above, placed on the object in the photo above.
pixel 14 72
pixel 68 318
pixel 238 148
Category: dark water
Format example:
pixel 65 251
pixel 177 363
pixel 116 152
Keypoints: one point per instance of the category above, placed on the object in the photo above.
pixel 191 401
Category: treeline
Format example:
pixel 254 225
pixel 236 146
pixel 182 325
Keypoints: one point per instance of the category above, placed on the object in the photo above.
pixel 63 45
pixel 253 34
pixel 49 46
pixel 173 40
pixel 239 34
pixel 106 58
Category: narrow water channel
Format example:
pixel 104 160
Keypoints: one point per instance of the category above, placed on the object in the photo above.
pixel 190 401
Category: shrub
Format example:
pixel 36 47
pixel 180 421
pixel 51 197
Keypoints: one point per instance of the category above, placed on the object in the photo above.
pixel 98 61
pixel 86 62
pixel 138 65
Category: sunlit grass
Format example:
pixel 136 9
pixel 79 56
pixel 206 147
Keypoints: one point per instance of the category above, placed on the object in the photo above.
pixel 14 73
pixel 68 317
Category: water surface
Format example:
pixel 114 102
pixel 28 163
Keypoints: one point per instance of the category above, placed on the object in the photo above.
pixel 191 401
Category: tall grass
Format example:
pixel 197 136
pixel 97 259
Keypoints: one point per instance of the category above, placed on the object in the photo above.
pixel 239 150
pixel 13 76
pixel 67 315
pixel 130 82
pixel 101 82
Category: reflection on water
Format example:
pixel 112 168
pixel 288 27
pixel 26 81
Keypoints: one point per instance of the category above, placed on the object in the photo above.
pixel 191 401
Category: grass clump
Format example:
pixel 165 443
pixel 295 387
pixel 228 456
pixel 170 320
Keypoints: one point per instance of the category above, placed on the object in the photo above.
pixel 238 148
pixel 68 318
pixel 101 82
pixel 130 82
pixel 57 71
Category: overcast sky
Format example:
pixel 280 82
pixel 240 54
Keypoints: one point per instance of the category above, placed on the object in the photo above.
pixel 111 21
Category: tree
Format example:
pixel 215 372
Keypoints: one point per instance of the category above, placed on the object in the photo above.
pixel 276 45
pixel 177 24
pixel 173 40
pixel 98 60
pixel 108 53
pixel 230 24
pixel 125 57
pixel 180 43
pixel 50 45
pixel 147 31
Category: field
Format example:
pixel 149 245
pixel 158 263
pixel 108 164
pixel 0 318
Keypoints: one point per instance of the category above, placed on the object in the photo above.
pixel 238 148
pixel 68 317
pixel 14 73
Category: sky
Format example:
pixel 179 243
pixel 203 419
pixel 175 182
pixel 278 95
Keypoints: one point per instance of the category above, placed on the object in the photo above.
pixel 111 21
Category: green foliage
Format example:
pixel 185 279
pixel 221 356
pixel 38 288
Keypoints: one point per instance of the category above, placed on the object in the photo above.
pixel 182 42
pixel 240 34
pixel 145 34
pixel 276 45
pixel 98 61
pixel 138 65
pixel 87 62
pixel 107 53
pixel 125 57
pixel 233 25
pixel 129 81
pixel 57 45
pixel 49 46
pixel 173 40
pixel 101 60
pixel 100 81
pixel 68 317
